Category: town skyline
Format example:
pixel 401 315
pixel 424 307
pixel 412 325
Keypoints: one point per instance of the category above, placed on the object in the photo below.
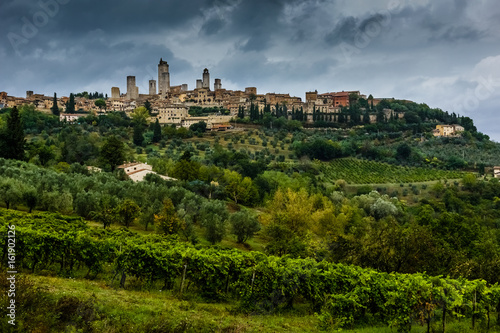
pixel 446 55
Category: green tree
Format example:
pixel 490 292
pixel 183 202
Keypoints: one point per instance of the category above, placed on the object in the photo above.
pixel 213 216
pixel 148 107
pixel 55 107
pixel 10 191
pixel 403 151
pixel 244 225
pixel 239 188
pixel 100 103
pixel 12 141
pixel 138 137
pixel 70 104
pixel 157 132
pixel 199 127
pixel 112 152
pixel 106 212
pixel 140 115
pixel 168 222
pixel 186 170
pixel 128 211
pixel 30 198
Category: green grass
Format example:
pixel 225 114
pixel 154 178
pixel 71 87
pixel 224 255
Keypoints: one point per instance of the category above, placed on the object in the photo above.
pixel 136 311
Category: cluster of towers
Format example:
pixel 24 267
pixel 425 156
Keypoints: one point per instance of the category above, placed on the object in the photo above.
pixel 164 83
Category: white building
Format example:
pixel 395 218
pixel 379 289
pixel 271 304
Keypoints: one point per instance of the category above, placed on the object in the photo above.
pixel 138 171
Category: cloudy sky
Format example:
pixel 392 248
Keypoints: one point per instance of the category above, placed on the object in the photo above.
pixel 444 53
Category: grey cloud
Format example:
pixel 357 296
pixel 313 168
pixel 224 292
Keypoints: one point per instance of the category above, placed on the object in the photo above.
pixel 212 26
pixel 459 33
pixel 345 31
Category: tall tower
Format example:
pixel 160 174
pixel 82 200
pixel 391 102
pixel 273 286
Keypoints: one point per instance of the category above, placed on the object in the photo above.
pixel 132 90
pixel 163 77
pixel 199 84
pixel 206 79
pixel 218 84
pixel 115 92
pixel 152 87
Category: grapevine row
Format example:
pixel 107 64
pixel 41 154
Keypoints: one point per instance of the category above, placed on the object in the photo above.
pixel 339 293
pixel 369 172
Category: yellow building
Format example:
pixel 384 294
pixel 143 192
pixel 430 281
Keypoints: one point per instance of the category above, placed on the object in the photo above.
pixel 448 130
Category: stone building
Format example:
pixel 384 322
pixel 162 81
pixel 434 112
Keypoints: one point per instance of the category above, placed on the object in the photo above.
pixel 171 114
pixel 448 130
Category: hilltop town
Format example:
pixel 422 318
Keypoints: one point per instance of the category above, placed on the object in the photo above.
pixel 170 104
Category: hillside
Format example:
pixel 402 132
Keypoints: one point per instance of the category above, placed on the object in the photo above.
pixel 274 226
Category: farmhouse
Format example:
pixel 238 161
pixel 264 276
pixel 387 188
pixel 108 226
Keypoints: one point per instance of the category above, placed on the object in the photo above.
pixel 71 117
pixel 448 130
pixel 138 171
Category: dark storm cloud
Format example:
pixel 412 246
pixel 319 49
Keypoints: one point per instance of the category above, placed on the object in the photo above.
pixel 345 31
pixel 126 16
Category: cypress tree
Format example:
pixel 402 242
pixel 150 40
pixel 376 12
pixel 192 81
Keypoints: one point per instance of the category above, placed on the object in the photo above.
pixel 70 105
pixel 157 131
pixel 12 141
pixel 55 108
pixel 138 138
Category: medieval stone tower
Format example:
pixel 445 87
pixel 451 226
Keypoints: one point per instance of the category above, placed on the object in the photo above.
pixel 206 79
pixel 132 89
pixel 115 92
pixel 217 84
pixel 152 87
pixel 163 78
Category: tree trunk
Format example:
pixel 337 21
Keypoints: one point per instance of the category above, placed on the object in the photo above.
pixel 474 310
pixel 444 318
pixel 122 280
pixel 183 278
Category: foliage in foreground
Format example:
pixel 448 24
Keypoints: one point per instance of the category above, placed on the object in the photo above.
pixel 340 294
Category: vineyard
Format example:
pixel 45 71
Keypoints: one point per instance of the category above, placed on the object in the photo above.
pixel 341 295
pixel 355 171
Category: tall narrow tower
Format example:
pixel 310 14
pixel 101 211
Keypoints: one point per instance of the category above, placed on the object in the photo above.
pixel 132 90
pixel 152 87
pixel 163 77
pixel 206 79
pixel 217 84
